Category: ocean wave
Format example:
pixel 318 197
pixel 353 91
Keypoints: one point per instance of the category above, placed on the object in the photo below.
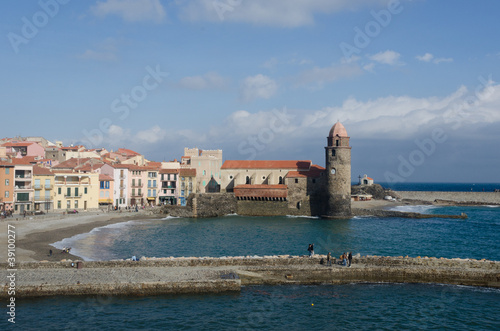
pixel 422 209
pixel 302 216
pixel 74 240
pixel 170 217
pixel 231 215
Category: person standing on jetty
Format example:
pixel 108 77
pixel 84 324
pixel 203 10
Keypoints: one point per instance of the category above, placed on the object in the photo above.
pixel 311 250
pixel 349 257
pixel 328 262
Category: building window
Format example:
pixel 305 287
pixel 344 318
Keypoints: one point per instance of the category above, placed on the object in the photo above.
pixel 296 180
pixel 68 192
pixel 172 191
pixel 7 171
pixel 314 180
pixel 107 185
pixel 85 190
pixel 7 194
pixel 59 190
pixel 247 181
pixel 337 142
pixel 333 152
pixel 6 182
pixel 204 172
pixel 58 204
pixel 76 204
pixel 68 204
pixel 102 185
pixel 281 180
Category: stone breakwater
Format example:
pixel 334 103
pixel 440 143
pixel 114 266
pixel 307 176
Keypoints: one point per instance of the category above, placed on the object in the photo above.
pixel 465 198
pixel 152 276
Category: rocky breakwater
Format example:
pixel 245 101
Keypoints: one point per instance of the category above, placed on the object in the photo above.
pixel 394 213
pixel 152 276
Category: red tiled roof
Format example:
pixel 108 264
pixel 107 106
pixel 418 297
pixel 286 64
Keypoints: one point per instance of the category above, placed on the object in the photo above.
pixel 27 160
pixel 73 162
pixel 128 152
pixel 169 171
pixel 41 171
pixel 105 177
pixel 314 171
pixel 261 164
pixel 26 143
pixel 188 172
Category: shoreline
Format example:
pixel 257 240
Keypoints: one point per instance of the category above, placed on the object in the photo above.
pixel 34 239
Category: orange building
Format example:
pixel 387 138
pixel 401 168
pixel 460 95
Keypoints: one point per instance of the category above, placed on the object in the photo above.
pixel 6 186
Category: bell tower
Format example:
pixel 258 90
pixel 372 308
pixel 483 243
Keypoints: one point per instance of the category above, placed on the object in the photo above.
pixel 338 168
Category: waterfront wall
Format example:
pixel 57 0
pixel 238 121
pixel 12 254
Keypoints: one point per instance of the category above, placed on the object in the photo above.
pixel 459 197
pixel 153 276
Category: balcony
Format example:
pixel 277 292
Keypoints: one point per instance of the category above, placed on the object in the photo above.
pixel 136 185
pixel 38 187
pixel 73 196
pixel 23 187
pixel 23 177
pixel 152 186
pixel 136 195
pixel 48 187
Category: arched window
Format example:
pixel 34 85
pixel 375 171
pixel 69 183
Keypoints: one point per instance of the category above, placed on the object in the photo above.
pixel 337 142
pixel 281 180
pixel 247 180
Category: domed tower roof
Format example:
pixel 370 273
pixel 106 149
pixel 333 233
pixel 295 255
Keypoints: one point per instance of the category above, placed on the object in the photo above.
pixel 338 130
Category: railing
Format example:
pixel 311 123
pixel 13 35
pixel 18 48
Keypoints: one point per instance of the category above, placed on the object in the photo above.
pixel 152 186
pixel 25 187
pixel 73 196
pixel 48 187
pixel 37 187
pixel 136 185
pixel 23 177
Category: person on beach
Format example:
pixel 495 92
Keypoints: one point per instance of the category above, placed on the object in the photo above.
pixel 349 257
pixel 50 252
pixel 328 262
pixel 344 259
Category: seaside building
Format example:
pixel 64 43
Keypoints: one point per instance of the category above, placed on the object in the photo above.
pixel 153 188
pixel 6 186
pixel 169 193
pixel 188 184
pixel 106 189
pixel 136 188
pixel 365 180
pixel 338 170
pixel 23 189
pixel 296 187
pixel 120 192
pixel 43 185
pixel 25 148
pixel 76 191
pixel 207 164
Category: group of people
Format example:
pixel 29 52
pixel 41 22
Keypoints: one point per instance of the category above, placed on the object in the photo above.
pixel 345 259
pixel 6 213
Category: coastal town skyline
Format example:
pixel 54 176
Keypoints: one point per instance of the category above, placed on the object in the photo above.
pixel 414 82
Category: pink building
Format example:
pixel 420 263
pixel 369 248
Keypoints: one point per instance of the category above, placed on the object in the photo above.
pixel 25 148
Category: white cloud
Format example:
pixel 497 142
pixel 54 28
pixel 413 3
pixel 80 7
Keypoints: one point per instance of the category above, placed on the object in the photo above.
pixel 442 59
pixel 152 135
pixel 428 57
pixel 318 76
pixel 131 10
pixel 258 87
pixel 210 80
pixel 283 13
pixel 388 57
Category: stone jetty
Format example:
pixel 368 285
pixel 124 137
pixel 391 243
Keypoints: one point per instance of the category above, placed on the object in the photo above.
pixel 154 276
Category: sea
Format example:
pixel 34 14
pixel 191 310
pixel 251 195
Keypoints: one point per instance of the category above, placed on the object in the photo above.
pixel 365 306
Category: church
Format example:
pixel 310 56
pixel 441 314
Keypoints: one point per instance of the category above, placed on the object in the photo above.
pixel 294 187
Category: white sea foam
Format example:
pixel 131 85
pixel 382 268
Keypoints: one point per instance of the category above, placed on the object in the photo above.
pixel 422 209
pixel 302 216
pixel 169 217
pixel 232 214
pixel 74 240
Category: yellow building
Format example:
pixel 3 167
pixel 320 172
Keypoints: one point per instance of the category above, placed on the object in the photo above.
pixel 43 185
pixel 76 191
pixel 188 184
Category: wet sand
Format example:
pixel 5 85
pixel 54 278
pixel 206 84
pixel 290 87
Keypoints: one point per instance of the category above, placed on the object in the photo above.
pixel 34 236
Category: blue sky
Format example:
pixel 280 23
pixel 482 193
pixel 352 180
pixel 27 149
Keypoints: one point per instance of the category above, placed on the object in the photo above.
pixel 414 82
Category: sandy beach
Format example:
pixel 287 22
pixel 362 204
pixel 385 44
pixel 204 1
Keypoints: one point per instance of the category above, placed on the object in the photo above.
pixel 34 235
